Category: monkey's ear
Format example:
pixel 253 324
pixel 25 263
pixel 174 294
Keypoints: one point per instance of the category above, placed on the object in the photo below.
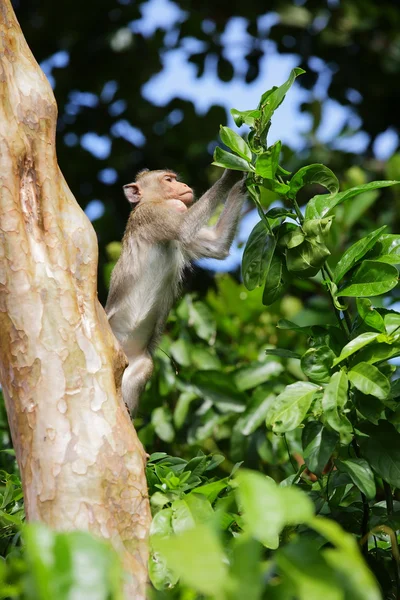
pixel 132 193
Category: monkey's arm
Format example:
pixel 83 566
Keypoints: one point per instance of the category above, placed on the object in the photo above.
pixel 215 242
pixel 199 214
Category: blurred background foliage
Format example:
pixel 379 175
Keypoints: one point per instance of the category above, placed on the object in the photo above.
pixel 147 84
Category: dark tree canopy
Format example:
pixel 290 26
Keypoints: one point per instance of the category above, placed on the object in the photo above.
pixel 99 63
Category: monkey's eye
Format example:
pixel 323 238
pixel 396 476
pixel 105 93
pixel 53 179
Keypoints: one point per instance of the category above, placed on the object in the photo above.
pixel 168 179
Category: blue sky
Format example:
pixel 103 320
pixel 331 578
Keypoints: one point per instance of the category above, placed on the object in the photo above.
pixel 178 79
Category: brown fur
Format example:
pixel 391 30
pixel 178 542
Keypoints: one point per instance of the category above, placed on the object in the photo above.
pixel 162 236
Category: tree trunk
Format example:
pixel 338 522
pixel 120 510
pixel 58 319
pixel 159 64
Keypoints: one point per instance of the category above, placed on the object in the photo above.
pixel 81 462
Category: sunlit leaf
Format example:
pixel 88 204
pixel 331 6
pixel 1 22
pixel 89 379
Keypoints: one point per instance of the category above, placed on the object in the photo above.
pixel 230 161
pixel 321 205
pixel 271 100
pixel 235 142
pixel 291 406
pixel 370 316
pixel 369 380
pixel 360 473
pixel 371 279
pixel 245 116
pixel 313 174
pixel 317 362
pixel 355 345
pixel 260 498
pixel 386 250
pixel 333 402
pixel 197 557
pixel 267 162
pixel 355 253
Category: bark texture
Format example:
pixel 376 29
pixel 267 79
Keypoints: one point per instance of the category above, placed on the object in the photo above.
pixel 81 462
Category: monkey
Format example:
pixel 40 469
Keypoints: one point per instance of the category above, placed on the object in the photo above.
pixel 163 235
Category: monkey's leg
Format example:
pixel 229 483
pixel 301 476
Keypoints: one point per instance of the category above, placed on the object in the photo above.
pixel 134 379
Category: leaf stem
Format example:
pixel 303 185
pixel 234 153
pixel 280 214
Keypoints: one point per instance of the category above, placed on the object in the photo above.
pixel 365 519
pixel 295 469
pixel 345 313
pixel 395 548
pixel 296 209
pixel 345 330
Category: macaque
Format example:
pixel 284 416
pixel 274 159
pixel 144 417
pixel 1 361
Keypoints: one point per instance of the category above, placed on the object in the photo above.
pixel 163 235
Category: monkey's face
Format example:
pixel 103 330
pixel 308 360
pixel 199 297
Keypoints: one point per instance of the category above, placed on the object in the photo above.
pixel 172 189
pixel 160 186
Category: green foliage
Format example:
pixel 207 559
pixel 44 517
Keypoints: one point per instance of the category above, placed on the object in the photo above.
pixel 61 565
pixel 224 395
pixel 332 402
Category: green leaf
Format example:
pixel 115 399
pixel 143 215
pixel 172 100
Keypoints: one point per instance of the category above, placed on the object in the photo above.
pixel 180 351
pixel 317 362
pixel 275 186
pixel 321 205
pixel 318 228
pixel 369 380
pixel 355 253
pixel 257 256
pixel 197 557
pixel 260 497
pixel 370 316
pixel 361 474
pixel 275 284
pixel 245 116
pixel 306 259
pixel 291 406
pixel 255 415
pixel 161 419
pixel 211 490
pixel 289 235
pixel 333 402
pixel 346 559
pixel 256 374
pixel 194 510
pixel 273 98
pixel 318 445
pixel 267 162
pixel 202 319
pixel 289 325
pixel 313 174
pixel 230 161
pixel 159 573
pixel 371 279
pixel 355 345
pixel 375 353
pixel 392 321
pixel 382 450
pixel 220 389
pixel 282 352
pixel 386 250
pixel 235 142
pixel 311 577
pixel 67 565
pixel 182 408
pixel 275 213
pixel 246 577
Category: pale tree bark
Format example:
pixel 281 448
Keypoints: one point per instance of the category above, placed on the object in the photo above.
pixel 81 462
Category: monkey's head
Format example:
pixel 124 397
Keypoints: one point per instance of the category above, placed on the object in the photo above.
pixel 158 187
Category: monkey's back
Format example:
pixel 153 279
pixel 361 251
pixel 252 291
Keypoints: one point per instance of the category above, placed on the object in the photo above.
pixel 143 287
